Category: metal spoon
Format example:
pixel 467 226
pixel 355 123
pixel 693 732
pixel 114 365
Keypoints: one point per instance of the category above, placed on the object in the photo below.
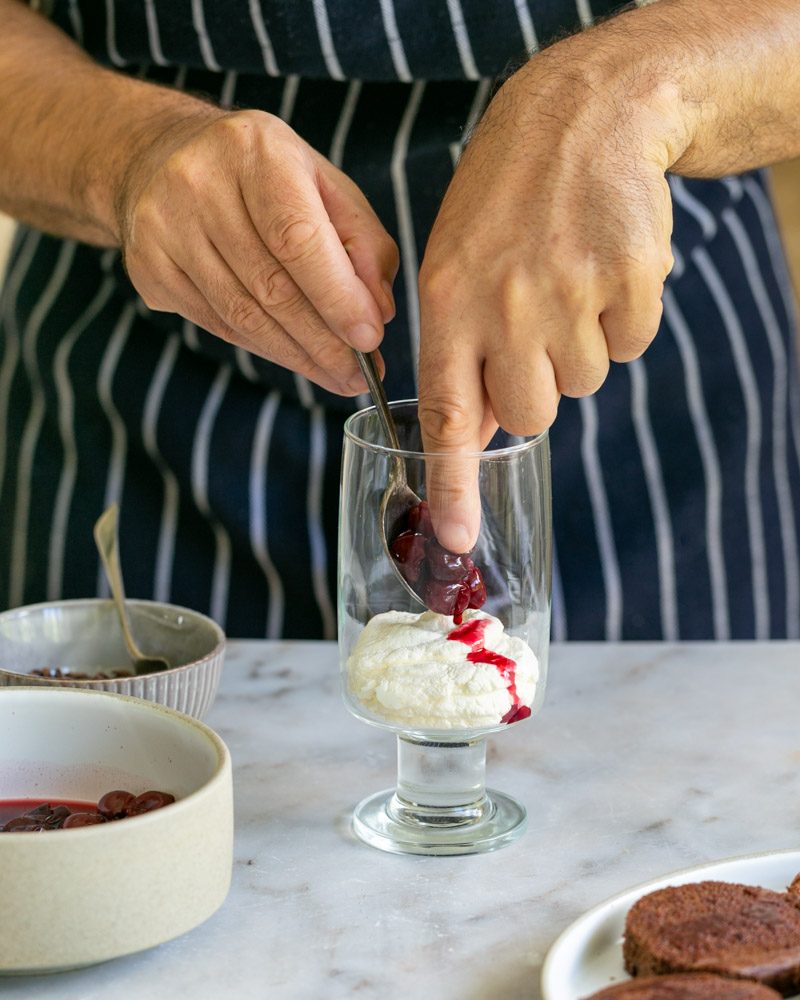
pixel 107 540
pixel 398 497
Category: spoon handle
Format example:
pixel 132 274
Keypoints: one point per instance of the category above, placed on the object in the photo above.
pixel 106 539
pixel 370 372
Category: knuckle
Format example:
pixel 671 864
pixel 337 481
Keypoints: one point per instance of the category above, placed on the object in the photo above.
pixel 582 379
pixel 391 254
pixel 573 292
pixel 527 413
pixel 533 425
pixel 630 340
pixel 631 347
pixel 291 356
pixel 245 314
pixel 239 127
pixel 514 292
pixel 294 237
pixel 276 289
pixel 438 289
pixel 444 419
pixel 185 169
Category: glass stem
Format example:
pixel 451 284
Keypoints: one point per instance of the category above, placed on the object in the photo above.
pixel 440 784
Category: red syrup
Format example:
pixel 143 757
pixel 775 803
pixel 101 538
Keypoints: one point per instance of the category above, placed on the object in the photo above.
pixel 472 634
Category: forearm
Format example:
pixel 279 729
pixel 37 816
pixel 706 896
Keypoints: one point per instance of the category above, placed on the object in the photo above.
pixel 708 88
pixel 69 129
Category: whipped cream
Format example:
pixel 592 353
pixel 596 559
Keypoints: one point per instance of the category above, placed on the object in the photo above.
pixel 422 672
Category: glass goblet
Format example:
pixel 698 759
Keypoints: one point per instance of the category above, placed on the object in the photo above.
pixel 440 687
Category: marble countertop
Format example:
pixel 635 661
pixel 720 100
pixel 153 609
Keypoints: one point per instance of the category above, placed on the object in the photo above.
pixel 646 758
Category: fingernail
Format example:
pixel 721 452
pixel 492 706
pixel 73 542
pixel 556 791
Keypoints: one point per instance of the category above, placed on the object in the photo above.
pixel 455 536
pixel 390 308
pixel 364 337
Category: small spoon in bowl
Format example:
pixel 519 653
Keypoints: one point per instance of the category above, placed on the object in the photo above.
pixel 107 540
pixel 398 497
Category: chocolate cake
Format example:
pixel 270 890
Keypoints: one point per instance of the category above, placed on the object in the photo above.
pixel 686 986
pixel 739 931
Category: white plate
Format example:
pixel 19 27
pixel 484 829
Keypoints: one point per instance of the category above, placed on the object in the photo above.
pixel 588 955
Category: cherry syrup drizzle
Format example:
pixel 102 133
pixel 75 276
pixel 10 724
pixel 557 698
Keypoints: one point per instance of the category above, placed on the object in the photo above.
pixel 472 634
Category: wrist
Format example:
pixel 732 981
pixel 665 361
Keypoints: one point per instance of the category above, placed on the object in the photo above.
pixel 626 85
pixel 143 124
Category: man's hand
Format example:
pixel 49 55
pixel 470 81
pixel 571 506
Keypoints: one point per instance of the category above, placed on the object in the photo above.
pixel 546 262
pixel 229 219
pixel 238 225
pixel 551 247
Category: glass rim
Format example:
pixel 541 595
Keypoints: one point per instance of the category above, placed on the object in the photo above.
pixel 385 449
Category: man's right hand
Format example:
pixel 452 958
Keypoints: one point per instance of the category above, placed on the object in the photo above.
pixel 237 224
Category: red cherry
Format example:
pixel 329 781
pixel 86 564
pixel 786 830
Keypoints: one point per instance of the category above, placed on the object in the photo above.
pixel 446 565
pixel 148 801
pixel 408 551
pixel 419 519
pixel 83 819
pixel 447 598
pixel 114 805
pixel 477 588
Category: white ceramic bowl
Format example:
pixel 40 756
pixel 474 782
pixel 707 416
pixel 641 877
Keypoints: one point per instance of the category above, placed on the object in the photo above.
pixel 79 896
pixel 85 636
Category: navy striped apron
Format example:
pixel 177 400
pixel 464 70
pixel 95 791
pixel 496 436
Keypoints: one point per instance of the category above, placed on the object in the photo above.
pixel 676 487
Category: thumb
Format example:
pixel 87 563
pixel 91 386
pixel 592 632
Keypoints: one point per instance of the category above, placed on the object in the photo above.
pixel 372 251
pixel 452 421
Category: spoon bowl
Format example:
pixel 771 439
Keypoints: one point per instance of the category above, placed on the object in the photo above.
pixel 106 538
pixel 398 497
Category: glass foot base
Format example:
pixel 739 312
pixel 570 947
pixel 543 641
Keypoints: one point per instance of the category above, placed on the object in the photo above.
pixel 384 822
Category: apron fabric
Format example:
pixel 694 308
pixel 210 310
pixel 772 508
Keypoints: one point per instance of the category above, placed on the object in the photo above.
pixel 676 487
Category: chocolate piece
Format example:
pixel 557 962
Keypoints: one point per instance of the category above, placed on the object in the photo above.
pixel 739 931
pixel 685 986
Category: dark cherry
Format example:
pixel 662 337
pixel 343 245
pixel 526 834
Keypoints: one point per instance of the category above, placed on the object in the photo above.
pixel 419 519
pixel 22 824
pixel 45 816
pixel 115 805
pixel 409 551
pixel 449 582
pixel 447 598
pixel 446 565
pixel 148 801
pixel 83 819
pixel 41 811
pixel 56 819
pixel 477 588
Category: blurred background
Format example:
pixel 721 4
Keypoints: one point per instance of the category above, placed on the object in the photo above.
pixel 786 184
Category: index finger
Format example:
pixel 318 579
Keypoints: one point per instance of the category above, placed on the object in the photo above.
pixel 451 415
pixel 302 237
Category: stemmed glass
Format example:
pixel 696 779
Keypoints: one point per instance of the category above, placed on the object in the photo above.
pixel 443 698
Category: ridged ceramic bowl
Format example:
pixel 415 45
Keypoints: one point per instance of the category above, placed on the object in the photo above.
pixel 84 636
pixel 78 896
